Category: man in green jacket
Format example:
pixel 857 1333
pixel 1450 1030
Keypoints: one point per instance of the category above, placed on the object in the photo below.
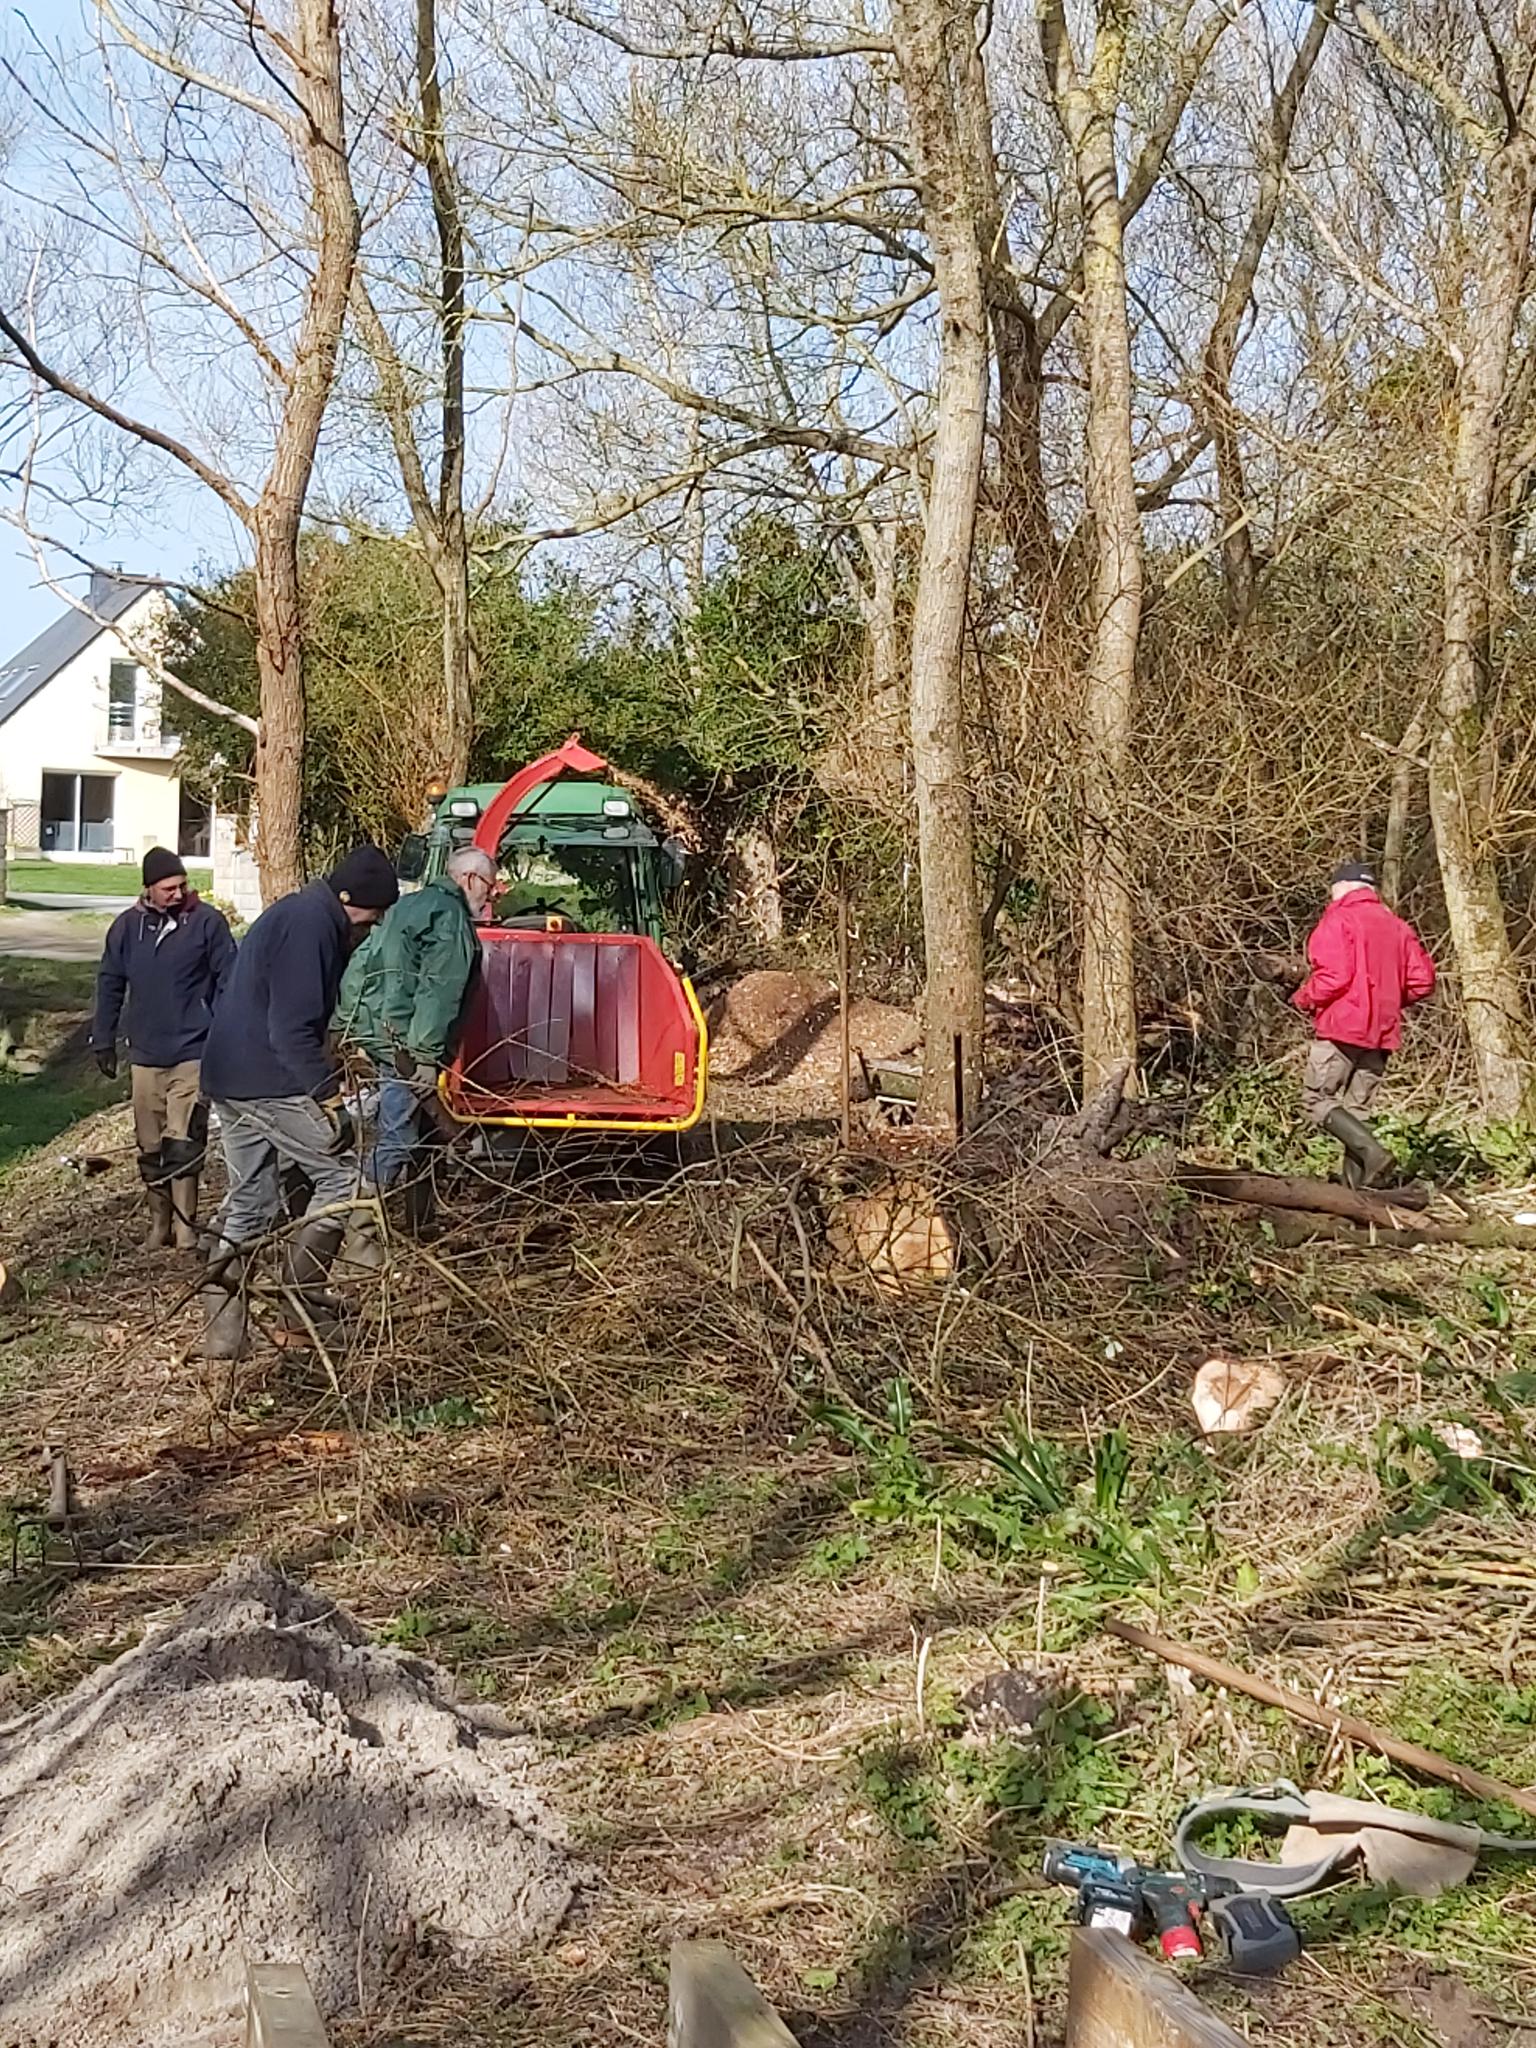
pixel 403 995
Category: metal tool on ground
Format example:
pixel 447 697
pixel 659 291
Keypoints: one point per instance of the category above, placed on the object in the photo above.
pixel 1107 1893
pixel 1174 1906
pixel 1123 1897
pixel 1260 1937
pixel 55 1520
pixel 1116 1893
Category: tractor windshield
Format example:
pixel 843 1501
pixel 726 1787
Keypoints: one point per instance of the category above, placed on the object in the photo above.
pixel 591 886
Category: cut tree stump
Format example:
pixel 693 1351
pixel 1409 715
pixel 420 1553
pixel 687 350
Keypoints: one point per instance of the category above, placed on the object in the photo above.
pixel 713 2003
pixel 1117 1997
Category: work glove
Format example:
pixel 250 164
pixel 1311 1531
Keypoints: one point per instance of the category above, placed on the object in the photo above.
pixel 419 1071
pixel 106 1059
pixel 343 1130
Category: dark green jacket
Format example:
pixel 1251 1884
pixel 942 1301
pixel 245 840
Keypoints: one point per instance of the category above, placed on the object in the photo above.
pixel 405 987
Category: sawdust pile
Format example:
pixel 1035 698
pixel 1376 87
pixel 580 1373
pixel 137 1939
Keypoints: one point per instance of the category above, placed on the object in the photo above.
pixel 256 1781
pixel 773 1026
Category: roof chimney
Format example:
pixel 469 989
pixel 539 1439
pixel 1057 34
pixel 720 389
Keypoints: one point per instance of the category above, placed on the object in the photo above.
pixel 104 585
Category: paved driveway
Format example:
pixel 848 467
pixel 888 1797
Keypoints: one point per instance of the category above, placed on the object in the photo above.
pixel 108 906
pixel 54 934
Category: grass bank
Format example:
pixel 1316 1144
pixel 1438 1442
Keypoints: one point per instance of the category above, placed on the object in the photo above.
pixel 84 878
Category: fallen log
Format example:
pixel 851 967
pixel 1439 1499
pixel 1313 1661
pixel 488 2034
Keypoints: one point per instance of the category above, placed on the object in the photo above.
pixel 1376 1210
pixel 1425 1761
pixel 1300 1191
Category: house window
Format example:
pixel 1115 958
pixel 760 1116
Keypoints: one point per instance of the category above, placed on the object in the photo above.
pixel 194 827
pixel 122 700
pixel 76 814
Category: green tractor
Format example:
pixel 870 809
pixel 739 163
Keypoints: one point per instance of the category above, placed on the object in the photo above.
pixel 573 847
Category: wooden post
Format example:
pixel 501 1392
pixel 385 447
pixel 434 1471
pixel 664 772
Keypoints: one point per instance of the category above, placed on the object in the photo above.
pixel 713 2003
pixel 1117 1997
pixel 845 1074
pixel 280 2009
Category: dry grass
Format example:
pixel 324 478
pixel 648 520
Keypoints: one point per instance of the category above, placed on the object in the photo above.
pixel 570 1452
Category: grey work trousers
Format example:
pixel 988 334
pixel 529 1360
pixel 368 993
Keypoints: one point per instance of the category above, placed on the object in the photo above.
pixel 1340 1077
pixel 259 1140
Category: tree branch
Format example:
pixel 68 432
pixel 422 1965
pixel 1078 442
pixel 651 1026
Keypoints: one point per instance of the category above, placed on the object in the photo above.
pixel 141 430
pixel 142 652
pixel 720 45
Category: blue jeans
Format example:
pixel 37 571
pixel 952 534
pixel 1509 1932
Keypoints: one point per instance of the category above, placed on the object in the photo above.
pixel 398 1132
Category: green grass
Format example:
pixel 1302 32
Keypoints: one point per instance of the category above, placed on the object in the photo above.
pixel 28 986
pixel 82 878
pixel 34 1110
pixel 41 1002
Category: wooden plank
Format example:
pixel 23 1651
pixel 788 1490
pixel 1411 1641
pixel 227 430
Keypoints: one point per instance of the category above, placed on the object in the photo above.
pixel 715 2004
pixel 1117 1997
pixel 280 2009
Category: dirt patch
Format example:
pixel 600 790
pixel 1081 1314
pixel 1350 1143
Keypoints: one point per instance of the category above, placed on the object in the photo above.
pixel 256 1781
pixel 773 1026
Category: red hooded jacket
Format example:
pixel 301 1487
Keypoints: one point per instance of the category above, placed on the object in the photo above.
pixel 1367 967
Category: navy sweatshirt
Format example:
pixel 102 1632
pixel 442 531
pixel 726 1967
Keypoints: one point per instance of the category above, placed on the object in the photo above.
pixel 268 1038
pixel 172 965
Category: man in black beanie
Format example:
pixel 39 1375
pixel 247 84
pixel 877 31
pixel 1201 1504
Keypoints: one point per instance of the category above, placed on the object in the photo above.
pixel 276 1088
pixel 170 956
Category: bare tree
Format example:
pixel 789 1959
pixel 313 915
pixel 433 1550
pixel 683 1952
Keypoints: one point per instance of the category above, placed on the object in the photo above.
pixel 1087 102
pixel 1238 554
pixel 437 510
pixel 182 112
pixel 935 48
pixel 1500 145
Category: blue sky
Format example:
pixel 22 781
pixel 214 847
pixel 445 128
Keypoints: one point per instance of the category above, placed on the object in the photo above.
pixel 183 527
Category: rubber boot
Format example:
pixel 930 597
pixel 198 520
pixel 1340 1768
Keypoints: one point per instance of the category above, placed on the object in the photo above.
pixel 1367 1162
pixel 159 1234
pixel 226 1320
pixel 184 1212
pixel 362 1247
pixel 307 1260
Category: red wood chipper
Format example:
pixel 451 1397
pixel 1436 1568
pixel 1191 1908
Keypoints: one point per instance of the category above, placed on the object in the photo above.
pixel 579 1021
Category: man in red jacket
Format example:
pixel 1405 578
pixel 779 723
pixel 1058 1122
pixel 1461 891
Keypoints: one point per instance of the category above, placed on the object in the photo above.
pixel 1368 966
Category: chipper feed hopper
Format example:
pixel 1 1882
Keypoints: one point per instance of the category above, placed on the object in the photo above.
pixel 578 1021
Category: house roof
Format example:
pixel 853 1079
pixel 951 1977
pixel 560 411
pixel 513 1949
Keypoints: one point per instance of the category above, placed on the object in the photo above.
pixel 41 659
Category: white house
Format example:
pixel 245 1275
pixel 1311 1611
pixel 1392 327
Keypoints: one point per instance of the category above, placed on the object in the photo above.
pixel 86 771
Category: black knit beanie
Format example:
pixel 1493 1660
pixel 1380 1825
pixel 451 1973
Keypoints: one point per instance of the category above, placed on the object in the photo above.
pixel 1354 871
pixel 366 879
pixel 159 866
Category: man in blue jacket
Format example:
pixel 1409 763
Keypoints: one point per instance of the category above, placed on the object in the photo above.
pixel 170 956
pixel 276 1088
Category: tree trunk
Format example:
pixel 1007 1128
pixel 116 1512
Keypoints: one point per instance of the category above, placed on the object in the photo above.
pixel 277 514
pixel 935 44
pixel 452 563
pixel 1399 808
pixel 1239 560
pixel 754 862
pixel 1498 1024
pixel 1018 349
pixel 1087 111
pixel 278 797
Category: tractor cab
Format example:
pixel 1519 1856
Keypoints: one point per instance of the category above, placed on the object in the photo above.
pixel 575 848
